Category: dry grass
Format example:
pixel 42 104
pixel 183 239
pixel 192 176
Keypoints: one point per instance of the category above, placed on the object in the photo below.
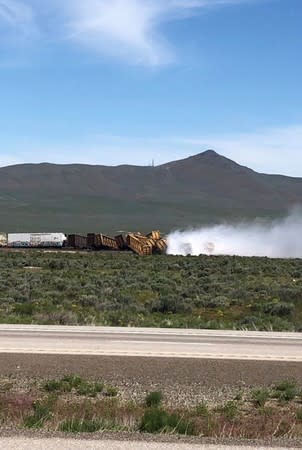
pixel 74 410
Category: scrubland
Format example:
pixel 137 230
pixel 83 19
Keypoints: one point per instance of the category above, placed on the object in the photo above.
pixel 160 291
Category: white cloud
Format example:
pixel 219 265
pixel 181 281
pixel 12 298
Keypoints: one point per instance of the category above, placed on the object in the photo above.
pixel 127 29
pixel 131 30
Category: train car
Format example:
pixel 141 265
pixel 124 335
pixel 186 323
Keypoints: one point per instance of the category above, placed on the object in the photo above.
pixel 139 245
pixel 3 239
pixel 104 242
pixel 91 240
pixel 108 242
pixel 35 240
pixel 101 242
pixel 121 242
pixel 76 241
pixel 162 245
pixel 155 235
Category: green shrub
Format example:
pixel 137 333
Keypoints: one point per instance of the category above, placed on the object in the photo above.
pixel 285 391
pixel 98 387
pixel 91 389
pixel 52 386
pixel 179 425
pixel 279 309
pixel 81 386
pixel 229 410
pixel 218 302
pixel 156 420
pixel 111 391
pixel 260 397
pixel 202 410
pixel 73 380
pixel 286 385
pixel 86 389
pixel 287 396
pixel 65 387
pixel 39 417
pixel 154 399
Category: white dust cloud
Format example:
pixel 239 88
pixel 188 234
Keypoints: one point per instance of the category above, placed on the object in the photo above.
pixel 277 239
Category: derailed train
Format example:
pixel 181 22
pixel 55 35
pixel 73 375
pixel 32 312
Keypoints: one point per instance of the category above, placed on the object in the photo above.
pixel 138 243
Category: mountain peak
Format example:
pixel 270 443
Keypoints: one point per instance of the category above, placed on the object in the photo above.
pixel 206 158
pixel 210 153
pixel 212 158
pixel 207 155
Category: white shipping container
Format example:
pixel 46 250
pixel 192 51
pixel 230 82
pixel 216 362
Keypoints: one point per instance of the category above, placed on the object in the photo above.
pixel 36 239
pixel 3 239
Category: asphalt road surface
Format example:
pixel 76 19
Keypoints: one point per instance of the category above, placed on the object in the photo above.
pixel 171 343
pixel 72 444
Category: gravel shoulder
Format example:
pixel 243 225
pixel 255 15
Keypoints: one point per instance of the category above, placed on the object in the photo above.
pixel 184 382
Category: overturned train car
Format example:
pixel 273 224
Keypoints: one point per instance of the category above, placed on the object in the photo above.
pixel 142 245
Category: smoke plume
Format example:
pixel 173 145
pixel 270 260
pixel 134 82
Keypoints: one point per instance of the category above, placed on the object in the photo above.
pixel 277 239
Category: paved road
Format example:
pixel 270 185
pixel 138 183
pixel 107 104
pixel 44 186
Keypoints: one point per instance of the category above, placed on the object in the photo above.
pixel 150 342
pixel 71 444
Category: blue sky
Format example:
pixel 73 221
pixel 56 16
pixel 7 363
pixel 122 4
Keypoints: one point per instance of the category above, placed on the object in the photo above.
pixel 129 81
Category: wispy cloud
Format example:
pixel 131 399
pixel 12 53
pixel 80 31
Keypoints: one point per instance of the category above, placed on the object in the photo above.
pixel 16 15
pixel 130 30
pixel 17 31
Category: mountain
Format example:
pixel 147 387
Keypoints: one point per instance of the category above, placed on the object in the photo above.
pixel 204 188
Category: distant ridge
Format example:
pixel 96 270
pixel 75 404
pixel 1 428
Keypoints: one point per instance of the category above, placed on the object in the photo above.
pixel 204 188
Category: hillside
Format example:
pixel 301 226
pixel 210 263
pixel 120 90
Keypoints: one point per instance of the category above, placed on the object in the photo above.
pixel 201 189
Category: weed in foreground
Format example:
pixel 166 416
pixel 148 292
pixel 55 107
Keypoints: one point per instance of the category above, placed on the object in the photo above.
pixel 285 391
pixel 229 410
pixel 238 397
pixel 41 414
pixel 260 397
pixel 52 386
pixel 202 410
pixel 111 391
pixel 73 380
pixel 78 384
pixel 154 399
pixel 266 411
pixel 81 425
pixel 90 389
pixel 156 420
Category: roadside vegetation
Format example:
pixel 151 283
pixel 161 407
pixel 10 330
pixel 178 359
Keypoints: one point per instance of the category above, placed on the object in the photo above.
pixel 161 291
pixel 75 405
